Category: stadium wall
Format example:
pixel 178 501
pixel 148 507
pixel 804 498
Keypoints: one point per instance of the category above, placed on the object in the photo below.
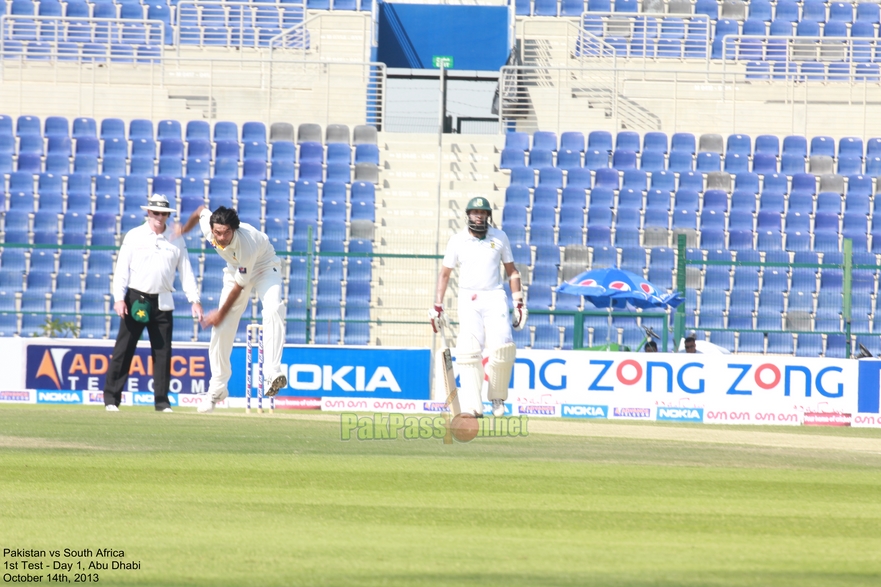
pixel 664 387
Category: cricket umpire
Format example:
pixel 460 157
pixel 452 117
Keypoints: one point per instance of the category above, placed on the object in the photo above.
pixel 483 309
pixel 142 285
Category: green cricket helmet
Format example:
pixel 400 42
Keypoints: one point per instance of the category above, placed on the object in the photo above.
pixel 479 203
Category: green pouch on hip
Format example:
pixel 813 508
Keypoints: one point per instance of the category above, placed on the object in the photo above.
pixel 141 311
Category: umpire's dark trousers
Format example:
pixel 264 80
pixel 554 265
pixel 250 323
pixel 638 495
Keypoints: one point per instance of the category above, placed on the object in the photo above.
pixel 160 329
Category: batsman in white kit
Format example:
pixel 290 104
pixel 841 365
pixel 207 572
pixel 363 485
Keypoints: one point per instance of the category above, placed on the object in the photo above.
pixel 251 265
pixel 484 323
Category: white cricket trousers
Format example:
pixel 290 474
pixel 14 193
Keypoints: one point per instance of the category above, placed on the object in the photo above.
pixel 483 320
pixel 483 324
pixel 268 285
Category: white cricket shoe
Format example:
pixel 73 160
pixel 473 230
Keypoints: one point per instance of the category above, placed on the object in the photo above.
pixel 278 382
pixel 498 408
pixel 208 402
pixel 111 408
pixel 166 411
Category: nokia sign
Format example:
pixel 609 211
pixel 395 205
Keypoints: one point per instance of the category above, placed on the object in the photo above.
pixel 681 414
pixel 350 372
pixel 59 397
pixel 583 411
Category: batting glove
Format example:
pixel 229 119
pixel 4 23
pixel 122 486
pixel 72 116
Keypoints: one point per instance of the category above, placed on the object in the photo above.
pixel 520 311
pixel 435 314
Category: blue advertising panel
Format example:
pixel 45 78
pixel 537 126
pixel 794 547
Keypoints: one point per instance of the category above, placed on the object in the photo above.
pixel 362 372
pixel 59 397
pixel 870 386
pixel 61 367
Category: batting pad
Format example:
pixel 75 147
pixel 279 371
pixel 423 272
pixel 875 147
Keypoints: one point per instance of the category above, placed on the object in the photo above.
pixel 498 367
pixel 470 381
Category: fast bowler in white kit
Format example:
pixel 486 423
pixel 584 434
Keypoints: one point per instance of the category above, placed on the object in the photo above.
pixel 251 264
pixel 483 309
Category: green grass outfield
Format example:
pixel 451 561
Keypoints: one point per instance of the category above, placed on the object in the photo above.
pixel 229 500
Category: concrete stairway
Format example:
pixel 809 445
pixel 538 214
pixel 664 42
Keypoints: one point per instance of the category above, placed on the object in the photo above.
pixel 424 189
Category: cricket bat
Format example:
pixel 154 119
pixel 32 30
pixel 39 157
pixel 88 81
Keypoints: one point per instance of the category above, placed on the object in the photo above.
pixel 449 378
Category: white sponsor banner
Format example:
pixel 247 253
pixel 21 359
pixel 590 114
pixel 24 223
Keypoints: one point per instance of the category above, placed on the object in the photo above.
pixel 21 396
pixel 770 417
pixel 746 389
pixel 866 421
pixel 628 412
pixel 348 404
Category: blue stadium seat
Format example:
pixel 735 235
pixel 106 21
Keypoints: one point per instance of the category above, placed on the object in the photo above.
pixel 813 11
pixel 791 164
pixel 167 129
pixel 663 180
pixel 652 161
pixel 627 140
pixel 596 159
pixel 568 159
pixel 622 159
pixel 550 176
pixel 766 163
pixel 707 7
pixel 780 343
pixel 680 161
pixel 627 198
pixel 539 158
pixel 735 162
pixel 572 140
pixel 254 131
pixel 835 346
pixel 809 345
pixel 795 144
pixel 517 140
pixel 767 145
pixel 776 182
pixel 510 159
pixel 655 141
pixel 544 140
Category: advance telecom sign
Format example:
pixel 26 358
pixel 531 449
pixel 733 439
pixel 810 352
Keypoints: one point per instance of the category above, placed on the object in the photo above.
pixel 58 368
pixel 357 372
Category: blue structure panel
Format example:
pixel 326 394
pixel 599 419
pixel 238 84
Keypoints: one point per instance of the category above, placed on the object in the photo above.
pixel 410 35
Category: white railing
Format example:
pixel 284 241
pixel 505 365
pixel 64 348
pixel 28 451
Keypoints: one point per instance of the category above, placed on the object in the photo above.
pixel 847 51
pixel 559 43
pixel 637 35
pixel 324 36
pixel 236 24
pixel 37 37
pixel 254 87
pixel 633 39
pixel 560 99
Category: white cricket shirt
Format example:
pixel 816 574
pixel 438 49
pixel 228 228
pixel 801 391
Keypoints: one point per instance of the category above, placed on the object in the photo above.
pixel 147 262
pixel 478 259
pixel 250 251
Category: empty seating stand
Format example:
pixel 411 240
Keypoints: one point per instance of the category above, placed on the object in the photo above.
pixel 193 163
pixel 736 213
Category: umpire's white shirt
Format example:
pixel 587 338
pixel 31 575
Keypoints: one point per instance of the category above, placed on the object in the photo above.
pixel 147 262
pixel 478 259
pixel 249 254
